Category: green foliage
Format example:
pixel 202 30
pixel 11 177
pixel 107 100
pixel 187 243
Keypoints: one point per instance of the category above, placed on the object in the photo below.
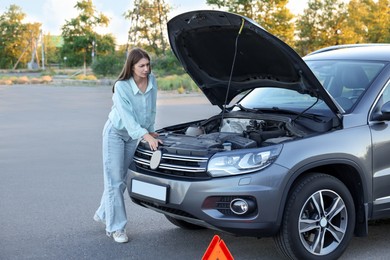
pixel 321 25
pixel 52 49
pixel 10 29
pixel 369 21
pixel 109 65
pixel 167 65
pixel 176 82
pixel 332 22
pixel 148 25
pixel 104 45
pixel 273 15
pixel 381 22
pixel 80 36
pixel 16 38
pixel 48 72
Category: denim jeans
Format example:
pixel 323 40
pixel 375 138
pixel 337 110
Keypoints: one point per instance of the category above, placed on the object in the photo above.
pixel 118 152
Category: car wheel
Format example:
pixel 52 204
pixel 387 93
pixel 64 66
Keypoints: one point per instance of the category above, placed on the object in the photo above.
pixel 319 219
pixel 183 224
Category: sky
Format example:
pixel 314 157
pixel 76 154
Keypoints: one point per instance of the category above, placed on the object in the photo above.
pixel 52 14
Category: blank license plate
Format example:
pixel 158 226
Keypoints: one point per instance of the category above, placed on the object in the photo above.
pixel 149 190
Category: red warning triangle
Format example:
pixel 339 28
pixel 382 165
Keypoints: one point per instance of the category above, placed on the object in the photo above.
pixel 217 250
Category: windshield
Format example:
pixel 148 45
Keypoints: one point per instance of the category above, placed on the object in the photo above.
pixel 346 81
pixel 283 99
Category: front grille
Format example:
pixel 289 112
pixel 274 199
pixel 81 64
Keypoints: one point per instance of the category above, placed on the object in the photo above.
pixel 176 165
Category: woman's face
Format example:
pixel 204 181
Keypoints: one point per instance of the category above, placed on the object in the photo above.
pixel 142 68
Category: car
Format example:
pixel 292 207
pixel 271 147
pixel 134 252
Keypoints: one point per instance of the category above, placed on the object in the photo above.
pixel 299 151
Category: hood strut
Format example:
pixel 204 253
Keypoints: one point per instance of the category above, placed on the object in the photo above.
pixel 231 72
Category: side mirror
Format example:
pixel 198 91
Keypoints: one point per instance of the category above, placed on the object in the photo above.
pixel 384 114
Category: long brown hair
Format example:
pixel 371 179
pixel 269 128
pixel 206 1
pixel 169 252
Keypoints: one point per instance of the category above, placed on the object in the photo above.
pixel 134 56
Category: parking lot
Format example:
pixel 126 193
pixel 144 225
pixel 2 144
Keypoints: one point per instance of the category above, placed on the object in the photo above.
pixel 51 183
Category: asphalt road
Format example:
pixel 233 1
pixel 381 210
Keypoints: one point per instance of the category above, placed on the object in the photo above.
pixel 51 182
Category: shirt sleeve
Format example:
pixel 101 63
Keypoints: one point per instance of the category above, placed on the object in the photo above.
pixel 126 112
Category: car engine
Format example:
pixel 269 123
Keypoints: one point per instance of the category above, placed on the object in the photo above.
pixel 234 132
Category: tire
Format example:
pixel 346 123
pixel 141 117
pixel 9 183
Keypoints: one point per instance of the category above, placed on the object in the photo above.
pixel 319 219
pixel 183 224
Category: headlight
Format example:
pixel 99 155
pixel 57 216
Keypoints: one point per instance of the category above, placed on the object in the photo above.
pixel 244 161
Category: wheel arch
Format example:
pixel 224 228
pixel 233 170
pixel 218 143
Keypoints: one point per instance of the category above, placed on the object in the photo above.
pixel 347 172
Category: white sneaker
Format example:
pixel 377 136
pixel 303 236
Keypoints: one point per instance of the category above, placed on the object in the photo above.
pixel 119 236
pixel 98 219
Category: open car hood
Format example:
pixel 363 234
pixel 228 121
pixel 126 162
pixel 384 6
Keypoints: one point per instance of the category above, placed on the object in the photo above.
pixel 205 43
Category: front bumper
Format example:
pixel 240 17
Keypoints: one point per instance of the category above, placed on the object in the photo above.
pixel 207 202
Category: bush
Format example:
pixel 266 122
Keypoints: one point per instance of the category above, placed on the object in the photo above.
pixel 46 79
pixel 48 72
pixel 181 83
pixel 167 65
pixel 90 77
pixel 13 79
pixel 22 80
pixel 36 81
pixel 85 77
pixel 109 65
pixel 181 90
pixel 5 82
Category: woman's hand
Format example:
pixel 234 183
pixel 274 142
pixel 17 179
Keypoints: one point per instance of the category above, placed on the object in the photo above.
pixel 154 134
pixel 153 143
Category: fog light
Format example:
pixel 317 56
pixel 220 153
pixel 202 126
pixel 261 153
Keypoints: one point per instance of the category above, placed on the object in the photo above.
pixel 241 206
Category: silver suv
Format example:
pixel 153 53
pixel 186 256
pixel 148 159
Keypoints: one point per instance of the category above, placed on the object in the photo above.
pixel 299 151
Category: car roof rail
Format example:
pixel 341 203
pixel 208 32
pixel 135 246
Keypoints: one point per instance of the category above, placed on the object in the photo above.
pixel 345 46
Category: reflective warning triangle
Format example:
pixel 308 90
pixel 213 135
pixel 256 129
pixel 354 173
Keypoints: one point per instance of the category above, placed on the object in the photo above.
pixel 217 250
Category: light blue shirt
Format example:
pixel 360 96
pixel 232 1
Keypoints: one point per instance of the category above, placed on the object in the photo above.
pixel 134 112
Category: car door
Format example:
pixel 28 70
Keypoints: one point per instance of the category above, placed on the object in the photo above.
pixel 381 160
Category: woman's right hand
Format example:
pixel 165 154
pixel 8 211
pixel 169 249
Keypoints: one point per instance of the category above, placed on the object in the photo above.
pixel 154 134
pixel 153 143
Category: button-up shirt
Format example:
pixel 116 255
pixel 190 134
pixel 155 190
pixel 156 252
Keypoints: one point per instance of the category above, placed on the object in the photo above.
pixel 134 112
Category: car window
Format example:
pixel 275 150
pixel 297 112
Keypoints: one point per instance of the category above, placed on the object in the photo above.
pixel 384 98
pixel 346 81
pixel 386 94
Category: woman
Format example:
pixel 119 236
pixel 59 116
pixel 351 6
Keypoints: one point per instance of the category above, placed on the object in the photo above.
pixel 132 117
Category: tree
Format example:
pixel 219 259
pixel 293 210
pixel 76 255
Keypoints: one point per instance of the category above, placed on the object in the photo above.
pixel 167 65
pixel 80 37
pixel 105 45
pixel 148 25
pixel 321 25
pixel 51 47
pixel 273 15
pixel 17 39
pixel 11 29
pixel 380 17
pixel 355 30
pixel 109 65
pixel 32 34
pixel 368 21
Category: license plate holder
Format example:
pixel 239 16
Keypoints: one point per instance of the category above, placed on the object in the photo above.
pixel 149 191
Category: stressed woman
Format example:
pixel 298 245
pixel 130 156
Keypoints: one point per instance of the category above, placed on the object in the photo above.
pixel 132 117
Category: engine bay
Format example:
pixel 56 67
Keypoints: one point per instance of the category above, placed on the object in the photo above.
pixel 236 131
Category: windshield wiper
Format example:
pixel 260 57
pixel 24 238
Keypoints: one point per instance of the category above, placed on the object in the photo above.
pixel 242 108
pixel 275 109
pixel 291 112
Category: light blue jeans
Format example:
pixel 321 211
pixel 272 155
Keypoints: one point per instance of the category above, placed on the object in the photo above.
pixel 118 152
